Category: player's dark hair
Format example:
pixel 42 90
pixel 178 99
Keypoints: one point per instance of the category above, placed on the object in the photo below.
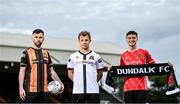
pixel 131 32
pixel 84 33
pixel 37 31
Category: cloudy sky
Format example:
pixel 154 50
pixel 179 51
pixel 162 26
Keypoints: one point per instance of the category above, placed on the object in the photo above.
pixel 156 21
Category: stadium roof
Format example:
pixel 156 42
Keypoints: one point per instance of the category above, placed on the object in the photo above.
pixel 67 44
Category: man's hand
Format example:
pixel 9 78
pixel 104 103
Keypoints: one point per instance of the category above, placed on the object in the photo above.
pixel 62 88
pixel 109 67
pixel 170 64
pixel 22 94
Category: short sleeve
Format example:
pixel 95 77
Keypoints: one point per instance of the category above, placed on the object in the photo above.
pixel 121 62
pixel 24 59
pixel 70 63
pixel 50 64
pixel 149 58
pixel 99 63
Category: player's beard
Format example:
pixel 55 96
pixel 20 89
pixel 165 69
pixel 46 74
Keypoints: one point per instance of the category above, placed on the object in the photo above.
pixel 38 44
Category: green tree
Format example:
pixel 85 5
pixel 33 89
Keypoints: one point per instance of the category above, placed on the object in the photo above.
pixel 159 82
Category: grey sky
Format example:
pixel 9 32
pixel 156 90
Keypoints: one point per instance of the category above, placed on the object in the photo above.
pixel 156 21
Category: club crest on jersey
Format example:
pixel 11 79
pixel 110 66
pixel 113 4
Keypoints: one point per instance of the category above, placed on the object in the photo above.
pixel 139 55
pixel 91 58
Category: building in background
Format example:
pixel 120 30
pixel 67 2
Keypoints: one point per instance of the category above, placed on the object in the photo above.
pixel 13 44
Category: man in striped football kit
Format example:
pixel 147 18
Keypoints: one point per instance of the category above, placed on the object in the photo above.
pixel 35 66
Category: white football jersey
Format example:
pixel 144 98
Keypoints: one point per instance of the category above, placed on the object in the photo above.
pixel 85 68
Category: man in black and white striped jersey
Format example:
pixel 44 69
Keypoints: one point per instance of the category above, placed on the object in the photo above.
pixel 85 70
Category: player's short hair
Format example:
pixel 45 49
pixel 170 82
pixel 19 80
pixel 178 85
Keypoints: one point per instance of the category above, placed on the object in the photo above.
pixel 131 32
pixel 37 31
pixel 84 33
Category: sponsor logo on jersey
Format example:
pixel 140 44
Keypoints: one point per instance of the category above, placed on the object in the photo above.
pixel 84 62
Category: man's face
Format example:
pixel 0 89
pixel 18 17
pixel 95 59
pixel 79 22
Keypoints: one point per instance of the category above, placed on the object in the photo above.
pixel 84 42
pixel 132 40
pixel 38 39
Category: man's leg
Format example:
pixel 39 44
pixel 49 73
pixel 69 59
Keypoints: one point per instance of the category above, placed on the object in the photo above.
pixel 128 97
pixel 142 96
pixel 93 98
pixel 78 98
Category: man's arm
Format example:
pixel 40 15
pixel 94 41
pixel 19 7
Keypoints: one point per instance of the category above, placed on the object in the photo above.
pixel 71 74
pixel 149 59
pixel 55 77
pixel 99 74
pixel 22 93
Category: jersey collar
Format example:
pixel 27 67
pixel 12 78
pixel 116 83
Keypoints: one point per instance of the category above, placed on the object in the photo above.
pixel 86 53
pixel 134 50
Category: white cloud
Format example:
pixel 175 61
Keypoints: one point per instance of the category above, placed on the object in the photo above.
pixel 156 21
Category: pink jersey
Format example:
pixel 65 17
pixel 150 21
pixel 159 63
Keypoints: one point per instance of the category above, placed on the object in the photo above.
pixel 137 57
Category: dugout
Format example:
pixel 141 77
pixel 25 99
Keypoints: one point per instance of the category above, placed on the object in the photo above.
pixel 12 45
